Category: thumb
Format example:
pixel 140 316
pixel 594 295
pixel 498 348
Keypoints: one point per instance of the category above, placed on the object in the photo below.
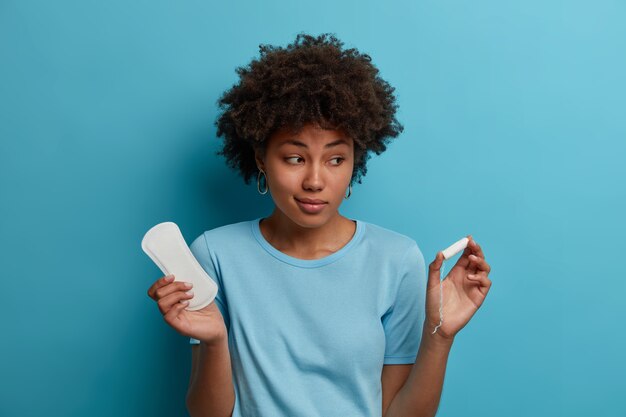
pixel 434 269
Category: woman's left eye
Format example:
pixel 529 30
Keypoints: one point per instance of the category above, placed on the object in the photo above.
pixel 340 159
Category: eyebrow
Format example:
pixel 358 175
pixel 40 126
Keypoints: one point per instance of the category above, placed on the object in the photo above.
pixel 328 145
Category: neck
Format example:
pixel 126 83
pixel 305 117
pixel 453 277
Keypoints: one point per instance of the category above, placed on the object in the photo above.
pixel 286 235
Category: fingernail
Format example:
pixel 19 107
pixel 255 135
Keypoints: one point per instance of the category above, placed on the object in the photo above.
pixel 189 293
pixel 169 277
pixel 188 284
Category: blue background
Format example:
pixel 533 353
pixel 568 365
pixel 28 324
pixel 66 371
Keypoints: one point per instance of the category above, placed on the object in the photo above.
pixel 515 132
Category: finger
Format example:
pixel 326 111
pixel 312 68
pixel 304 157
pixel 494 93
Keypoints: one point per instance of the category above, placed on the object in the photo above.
pixel 434 269
pixel 172 288
pixel 480 263
pixel 481 279
pixel 173 313
pixel 158 284
pixel 463 260
pixel 475 247
pixel 166 303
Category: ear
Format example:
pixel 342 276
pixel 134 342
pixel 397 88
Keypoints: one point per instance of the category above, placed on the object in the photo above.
pixel 259 157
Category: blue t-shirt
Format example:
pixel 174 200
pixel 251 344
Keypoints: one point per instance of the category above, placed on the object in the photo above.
pixel 310 337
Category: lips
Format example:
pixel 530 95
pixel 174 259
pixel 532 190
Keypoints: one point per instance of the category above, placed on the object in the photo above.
pixel 311 206
pixel 310 201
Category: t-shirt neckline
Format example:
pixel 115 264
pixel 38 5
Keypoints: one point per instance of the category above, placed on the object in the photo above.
pixel 306 263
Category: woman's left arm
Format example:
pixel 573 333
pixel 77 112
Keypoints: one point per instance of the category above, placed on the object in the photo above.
pixel 464 290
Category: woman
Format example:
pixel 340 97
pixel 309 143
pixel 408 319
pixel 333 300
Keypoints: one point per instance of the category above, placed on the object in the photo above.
pixel 316 314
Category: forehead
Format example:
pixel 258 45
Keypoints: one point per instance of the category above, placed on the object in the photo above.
pixel 311 136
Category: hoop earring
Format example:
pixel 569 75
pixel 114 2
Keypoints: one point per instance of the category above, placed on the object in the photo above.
pixel 349 192
pixel 258 182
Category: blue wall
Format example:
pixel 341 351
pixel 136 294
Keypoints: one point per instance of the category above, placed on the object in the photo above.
pixel 515 132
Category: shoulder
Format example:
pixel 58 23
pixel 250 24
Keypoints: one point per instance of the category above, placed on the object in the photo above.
pixel 225 235
pixel 395 245
pixel 391 239
pixel 229 231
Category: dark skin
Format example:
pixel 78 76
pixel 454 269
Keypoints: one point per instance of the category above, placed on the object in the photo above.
pixel 464 290
pixel 206 324
pixel 316 171
pixel 317 164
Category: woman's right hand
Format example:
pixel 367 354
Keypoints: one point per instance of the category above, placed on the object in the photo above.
pixel 206 324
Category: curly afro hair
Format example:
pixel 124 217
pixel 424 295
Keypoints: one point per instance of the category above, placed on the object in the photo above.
pixel 310 81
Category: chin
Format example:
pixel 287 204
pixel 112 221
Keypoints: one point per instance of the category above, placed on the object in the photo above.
pixel 307 220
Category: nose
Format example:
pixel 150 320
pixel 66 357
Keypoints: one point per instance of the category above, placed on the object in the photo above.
pixel 313 180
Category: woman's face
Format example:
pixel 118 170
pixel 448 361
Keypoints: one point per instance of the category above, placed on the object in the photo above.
pixel 313 164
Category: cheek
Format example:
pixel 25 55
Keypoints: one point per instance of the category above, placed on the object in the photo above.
pixel 283 180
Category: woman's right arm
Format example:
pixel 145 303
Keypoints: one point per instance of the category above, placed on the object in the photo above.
pixel 211 392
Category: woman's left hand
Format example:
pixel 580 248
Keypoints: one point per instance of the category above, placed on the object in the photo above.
pixel 464 290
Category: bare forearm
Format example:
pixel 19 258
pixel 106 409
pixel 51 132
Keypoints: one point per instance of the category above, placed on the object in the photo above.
pixel 420 394
pixel 211 392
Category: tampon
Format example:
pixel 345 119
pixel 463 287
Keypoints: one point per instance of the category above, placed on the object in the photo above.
pixel 448 253
pixel 165 245
pixel 455 248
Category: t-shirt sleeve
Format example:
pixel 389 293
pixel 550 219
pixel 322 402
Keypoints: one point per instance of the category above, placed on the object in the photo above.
pixel 404 321
pixel 206 259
